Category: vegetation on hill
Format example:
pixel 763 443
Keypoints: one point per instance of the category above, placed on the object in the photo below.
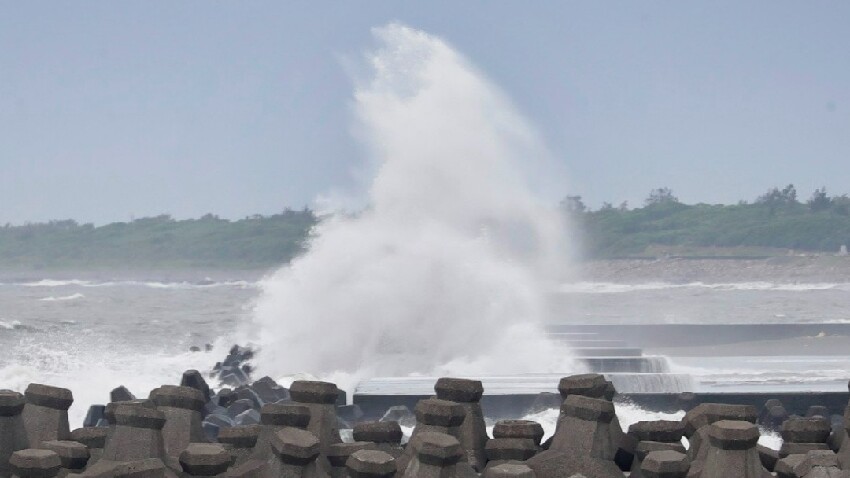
pixel 773 223
pixel 777 219
pixel 160 241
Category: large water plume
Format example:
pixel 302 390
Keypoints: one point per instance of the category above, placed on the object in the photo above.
pixel 448 269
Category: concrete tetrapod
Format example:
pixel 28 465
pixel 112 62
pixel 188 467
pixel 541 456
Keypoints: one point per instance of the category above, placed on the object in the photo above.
pixel 582 443
pixel 731 452
pixel 46 413
pixel 13 434
pixel 473 431
pixel 33 463
pixel 294 455
pixel 182 408
pixel 432 415
pixel 438 455
pixel 371 464
pixel 320 398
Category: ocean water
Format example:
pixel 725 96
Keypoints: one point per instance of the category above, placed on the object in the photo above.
pixel 92 331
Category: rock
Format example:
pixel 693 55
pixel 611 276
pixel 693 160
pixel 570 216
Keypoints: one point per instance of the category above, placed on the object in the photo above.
pixel 666 431
pixel 732 451
pixel 238 407
pixel 708 413
pixel 147 468
pixel 339 453
pixel 13 433
pixel 805 430
pixel 94 439
pixel 248 417
pixel 182 409
pixel 94 415
pixel 194 379
pixel 269 391
pixel 472 432
pixel 665 464
pixel 519 429
pixel 295 453
pixel 645 448
pixel 591 385
pixel 433 415
pixel 72 455
pixel 33 463
pixel 121 394
pixel 509 470
pixel 437 455
pixel 45 413
pixel 320 398
pixel 240 441
pixel 371 464
pixel 226 397
pixel 768 457
pixel 378 432
pixel 204 459
pixel 137 434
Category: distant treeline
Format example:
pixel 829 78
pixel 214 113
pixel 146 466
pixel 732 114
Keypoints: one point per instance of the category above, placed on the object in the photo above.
pixel 774 222
pixel 776 219
pixel 160 241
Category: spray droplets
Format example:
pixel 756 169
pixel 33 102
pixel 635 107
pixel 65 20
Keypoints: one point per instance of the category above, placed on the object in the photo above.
pixel 449 269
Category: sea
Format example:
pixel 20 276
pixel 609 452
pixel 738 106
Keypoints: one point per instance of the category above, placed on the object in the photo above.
pixel 91 331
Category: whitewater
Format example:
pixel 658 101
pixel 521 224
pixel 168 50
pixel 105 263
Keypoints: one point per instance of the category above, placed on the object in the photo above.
pixel 448 269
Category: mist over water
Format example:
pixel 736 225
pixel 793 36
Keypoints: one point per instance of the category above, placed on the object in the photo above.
pixel 449 269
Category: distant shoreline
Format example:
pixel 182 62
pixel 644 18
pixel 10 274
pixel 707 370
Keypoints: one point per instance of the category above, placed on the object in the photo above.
pixel 786 269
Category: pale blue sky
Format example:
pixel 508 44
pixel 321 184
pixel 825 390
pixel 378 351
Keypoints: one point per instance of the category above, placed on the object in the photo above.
pixel 109 109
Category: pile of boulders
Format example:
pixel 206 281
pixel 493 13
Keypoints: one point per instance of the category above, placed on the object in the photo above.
pixel 263 430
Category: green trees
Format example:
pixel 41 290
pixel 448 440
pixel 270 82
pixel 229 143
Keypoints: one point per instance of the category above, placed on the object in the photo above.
pixel 775 220
pixel 161 241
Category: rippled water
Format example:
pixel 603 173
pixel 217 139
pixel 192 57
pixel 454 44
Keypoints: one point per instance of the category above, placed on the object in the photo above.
pixel 92 331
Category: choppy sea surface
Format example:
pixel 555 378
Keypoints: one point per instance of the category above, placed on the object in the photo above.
pixel 91 331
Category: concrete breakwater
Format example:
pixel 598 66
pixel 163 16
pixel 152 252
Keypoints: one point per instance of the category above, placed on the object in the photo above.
pixel 257 428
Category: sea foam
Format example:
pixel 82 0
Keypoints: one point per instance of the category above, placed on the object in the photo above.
pixel 448 269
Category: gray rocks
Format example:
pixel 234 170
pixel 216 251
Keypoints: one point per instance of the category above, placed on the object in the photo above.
pixel 732 452
pixel 437 455
pixel 509 470
pixel 582 428
pixel 72 455
pixel 33 463
pixel 582 442
pixel 182 409
pixel 239 441
pixel 46 413
pixel 801 435
pixel 371 464
pixel 433 415
pixel 591 385
pixel 385 436
pixel 94 439
pixel 295 453
pixel 519 429
pixel 320 398
pixel 204 459
pixel 136 436
pixel 338 456
pixel 13 434
pixel 121 394
pixel 472 432
pixel 665 464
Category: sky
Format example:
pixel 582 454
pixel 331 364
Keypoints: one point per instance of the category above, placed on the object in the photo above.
pixel 113 110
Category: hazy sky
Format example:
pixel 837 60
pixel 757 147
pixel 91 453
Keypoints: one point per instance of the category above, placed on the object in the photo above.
pixel 112 109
